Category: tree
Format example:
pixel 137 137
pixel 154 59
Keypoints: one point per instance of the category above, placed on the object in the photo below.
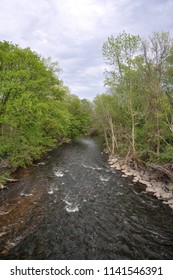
pixel 139 97
pixel 35 115
pixel 155 52
pixel 106 117
pixel 80 115
pixel 120 53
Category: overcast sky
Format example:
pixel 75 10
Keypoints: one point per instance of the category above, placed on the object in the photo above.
pixel 72 32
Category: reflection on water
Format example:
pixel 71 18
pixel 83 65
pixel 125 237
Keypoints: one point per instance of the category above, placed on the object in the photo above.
pixel 73 206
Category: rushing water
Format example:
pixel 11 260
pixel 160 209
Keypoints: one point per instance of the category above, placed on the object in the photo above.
pixel 74 206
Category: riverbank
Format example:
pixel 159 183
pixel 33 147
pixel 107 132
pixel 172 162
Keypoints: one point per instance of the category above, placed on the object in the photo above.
pixel 162 189
pixel 7 170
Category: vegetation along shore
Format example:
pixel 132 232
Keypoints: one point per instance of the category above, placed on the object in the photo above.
pixel 134 115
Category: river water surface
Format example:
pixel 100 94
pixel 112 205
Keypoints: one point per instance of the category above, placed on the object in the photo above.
pixel 74 206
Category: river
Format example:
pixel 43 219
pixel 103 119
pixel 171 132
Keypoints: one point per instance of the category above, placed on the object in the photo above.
pixel 72 205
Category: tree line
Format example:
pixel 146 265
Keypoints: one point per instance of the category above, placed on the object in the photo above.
pixel 37 111
pixel 135 115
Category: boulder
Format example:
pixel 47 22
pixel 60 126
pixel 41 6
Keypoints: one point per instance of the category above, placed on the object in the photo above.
pixel 157 194
pixel 2 186
pixel 143 181
pixel 150 189
pixel 145 176
pixel 135 179
pixel 148 184
pixel 170 202
pixel 167 196
pixel 129 173
pixel 114 160
pixel 118 167
pixel 159 189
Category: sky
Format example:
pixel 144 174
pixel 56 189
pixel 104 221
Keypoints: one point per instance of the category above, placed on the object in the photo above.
pixel 72 32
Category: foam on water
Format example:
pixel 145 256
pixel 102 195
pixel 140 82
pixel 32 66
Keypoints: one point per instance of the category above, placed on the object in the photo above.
pixel 25 194
pixel 72 208
pixel 59 173
pixel 53 188
pixel 103 179
pixel 71 203
pixel 99 168
pixel 50 192
pixel 67 202
pixel 87 166
pixel 91 167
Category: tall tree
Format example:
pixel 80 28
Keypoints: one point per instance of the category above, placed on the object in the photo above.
pixel 120 53
pixel 138 81
pixel 155 52
pixel 35 112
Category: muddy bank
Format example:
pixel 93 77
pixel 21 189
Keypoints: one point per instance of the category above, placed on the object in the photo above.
pixel 159 188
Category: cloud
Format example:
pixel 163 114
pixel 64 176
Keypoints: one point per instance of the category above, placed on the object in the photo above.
pixel 72 32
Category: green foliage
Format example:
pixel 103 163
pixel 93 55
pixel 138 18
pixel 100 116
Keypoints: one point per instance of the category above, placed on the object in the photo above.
pixel 36 110
pixel 136 112
pixel 167 154
pixel 80 120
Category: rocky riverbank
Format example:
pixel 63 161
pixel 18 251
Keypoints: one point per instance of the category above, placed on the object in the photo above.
pixel 159 188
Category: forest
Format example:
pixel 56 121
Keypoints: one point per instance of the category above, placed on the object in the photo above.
pixel 134 115
pixel 37 111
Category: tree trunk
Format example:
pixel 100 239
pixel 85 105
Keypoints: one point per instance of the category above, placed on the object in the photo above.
pixel 113 137
pixel 158 137
pixel 106 139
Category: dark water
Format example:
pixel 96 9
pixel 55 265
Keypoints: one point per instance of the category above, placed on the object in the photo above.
pixel 76 207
